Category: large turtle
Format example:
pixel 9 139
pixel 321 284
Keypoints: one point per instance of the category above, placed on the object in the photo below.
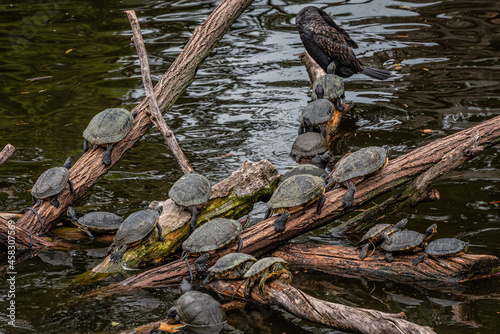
pixel 51 183
pixel 377 234
pixel 211 236
pixel 97 222
pixel 263 270
pixel 198 311
pixel 309 145
pixel 230 266
pixel 107 128
pixel 332 87
pixel 293 194
pixel 317 113
pixel 133 229
pixel 353 167
pixel 191 191
pixel 406 241
pixel 442 247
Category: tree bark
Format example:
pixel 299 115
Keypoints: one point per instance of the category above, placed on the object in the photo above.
pixel 5 154
pixel 89 167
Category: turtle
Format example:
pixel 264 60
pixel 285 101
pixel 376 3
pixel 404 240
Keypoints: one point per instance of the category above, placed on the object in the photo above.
pixel 377 234
pixel 293 194
pixel 107 128
pixel 230 266
pixel 263 270
pixel 51 183
pixel 406 241
pixel 309 145
pixel 442 247
pixel 332 87
pixel 317 112
pixel 191 191
pixel 97 222
pixel 133 229
pixel 353 167
pixel 198 311
pixel 211 236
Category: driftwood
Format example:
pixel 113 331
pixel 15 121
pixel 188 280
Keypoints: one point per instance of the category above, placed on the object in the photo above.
pixel 338 316
pixel 89 167
pixel 5 154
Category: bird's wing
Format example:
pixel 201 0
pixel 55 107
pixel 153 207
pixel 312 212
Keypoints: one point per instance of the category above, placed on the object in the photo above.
pixel 337 49
pixel 340 31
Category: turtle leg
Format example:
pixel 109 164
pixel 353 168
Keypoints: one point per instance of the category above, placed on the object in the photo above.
pixel 86 230
pixel 160 237
pixel 54 201
pixel 111 247
pixel 321 202
pixel 208 279
pixel 185 256
pixel 364 251
pixel 301 129
pixel 339 104
pixel 71 188
pixel 106 157
pixel 279 223
pixel 33 200
pixel 85 145
pixel 348 199
pixel 419 259
pixel 248 286
pixel 116 257
pixel 388 257
pixel 201 262
pixel 240 244
pixel 322 131
pixel 268 213
pixel 194 217
pixel 262 283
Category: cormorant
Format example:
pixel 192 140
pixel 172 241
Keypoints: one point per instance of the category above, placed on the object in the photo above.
pixel 326 42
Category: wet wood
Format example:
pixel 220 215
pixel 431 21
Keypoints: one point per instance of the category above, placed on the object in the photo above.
pixel 337 316
pixel 89 168
pixel 13 235
pixel 5 154
pixel 154 110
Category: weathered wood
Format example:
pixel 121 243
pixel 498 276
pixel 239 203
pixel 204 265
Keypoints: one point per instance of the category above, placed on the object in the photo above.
pixel 89 167
pixel 155 114
pixel 19 237
pixel 338 316
pixel 5 154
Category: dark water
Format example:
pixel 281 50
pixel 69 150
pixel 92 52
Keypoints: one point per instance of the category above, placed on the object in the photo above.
pixel 245 101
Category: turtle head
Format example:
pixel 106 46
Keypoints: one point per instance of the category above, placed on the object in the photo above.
pixel 72 214
pixel 402 223
pixel 430 231
pixel 324 159
pixel 185 286
pixel 245 221
pixel 307 124
pixel 331 68
pixel 67 163
pixel 320 92
pixel 466 247
pixel 159 208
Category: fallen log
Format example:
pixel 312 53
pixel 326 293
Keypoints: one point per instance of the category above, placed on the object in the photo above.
pixel 5 154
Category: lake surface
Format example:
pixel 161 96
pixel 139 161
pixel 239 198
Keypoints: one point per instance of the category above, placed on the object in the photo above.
pixel 244 103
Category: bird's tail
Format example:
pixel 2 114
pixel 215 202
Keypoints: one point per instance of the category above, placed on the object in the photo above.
pixel 376 73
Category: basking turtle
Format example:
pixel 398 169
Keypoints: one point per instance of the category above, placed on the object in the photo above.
pixel 377 234
pixel 230 266
pixel 264 269
pixel 133 229
pixel 97 222
pixel 406 241
pixel 51 183
pixel 443 247
pixel 308 145
pixel 107 128
pixel 332 87
pixel 292 195
pixel 191 191
pixel 200 312
pixel 317 112
pixel 211 236
pixel 353 167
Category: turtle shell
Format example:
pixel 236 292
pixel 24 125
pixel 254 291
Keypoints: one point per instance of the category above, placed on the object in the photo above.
pixel 101 221
pixel 230 261
pixel 304 169
pixel 191 189
pixel 136 226
pixel 214 234
pixel 446 246
pixel 296 190
pixel 309 144
pixel 403 241
pixel 109 126
pixel 319 111
pixel 333 87
pixel 362 162
pixel 200 312
pixel 51 182
pixel 261 265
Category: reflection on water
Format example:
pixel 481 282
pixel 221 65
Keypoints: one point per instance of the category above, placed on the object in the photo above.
pixel 245 100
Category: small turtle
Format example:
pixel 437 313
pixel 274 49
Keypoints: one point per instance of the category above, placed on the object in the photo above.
pixel 230 266
pixel 332 87
pixel 292 195
pixel 264 269
pixel 200 312
pixel 97 222
pixel 377 234
pixel 211 236
pixel 317 112
pixel 191 191
pixel 107 128
pixel 406 241
pixel 133 229
pixel 353 167
pixel 51 183
pixel 442 247
pixel 308 145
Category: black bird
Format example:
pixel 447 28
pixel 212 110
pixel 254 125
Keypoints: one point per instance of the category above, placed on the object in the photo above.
pixel 325 42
